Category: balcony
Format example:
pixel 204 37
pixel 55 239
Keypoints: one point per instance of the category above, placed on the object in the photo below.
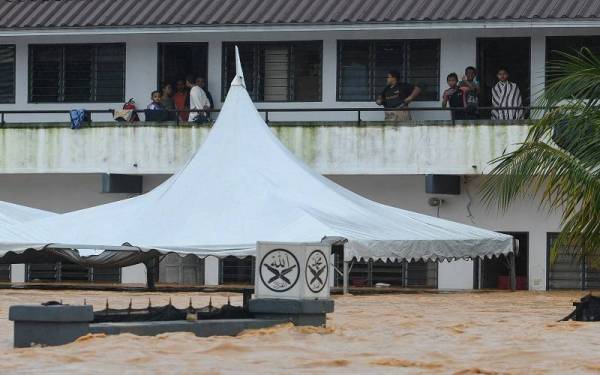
pixel 330 147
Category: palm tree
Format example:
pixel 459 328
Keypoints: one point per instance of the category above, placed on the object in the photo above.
pixel 559 161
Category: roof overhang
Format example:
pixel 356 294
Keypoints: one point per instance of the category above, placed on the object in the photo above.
pixel 410 25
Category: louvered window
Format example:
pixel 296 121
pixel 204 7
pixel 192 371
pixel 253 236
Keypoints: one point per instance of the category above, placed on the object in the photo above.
pixel 7 74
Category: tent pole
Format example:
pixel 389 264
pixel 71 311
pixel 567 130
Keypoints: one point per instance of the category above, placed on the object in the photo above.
pixel 346 276
pixel 513 272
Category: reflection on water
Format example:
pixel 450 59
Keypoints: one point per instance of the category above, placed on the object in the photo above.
pixel 471 333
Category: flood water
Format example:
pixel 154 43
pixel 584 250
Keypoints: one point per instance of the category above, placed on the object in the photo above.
pixel 461 333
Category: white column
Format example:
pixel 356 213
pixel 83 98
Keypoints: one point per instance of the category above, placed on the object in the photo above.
pixel 457 274
pixel 329 79
pixel 135 274
pixel 17 273
pixel 211 271
pixel 141 72
pixel 215 65
pixel 538 65
pixel 538 248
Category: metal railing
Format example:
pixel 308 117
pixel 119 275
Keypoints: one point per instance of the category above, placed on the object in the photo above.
pixel 359 111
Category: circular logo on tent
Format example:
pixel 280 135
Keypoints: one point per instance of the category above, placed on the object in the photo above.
pixel 279 270
pixel 317 271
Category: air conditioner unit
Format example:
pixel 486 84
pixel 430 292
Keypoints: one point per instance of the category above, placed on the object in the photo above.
pixel 292 270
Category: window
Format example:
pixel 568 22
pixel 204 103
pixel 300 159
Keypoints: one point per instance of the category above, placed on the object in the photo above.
pixel 77 73
pixel 570 270
pixel 363 67
pixel 277 72
pixel 7 74
pixel 568 44
pixel 178 60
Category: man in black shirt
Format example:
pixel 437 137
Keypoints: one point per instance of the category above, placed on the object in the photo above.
pixel 397 95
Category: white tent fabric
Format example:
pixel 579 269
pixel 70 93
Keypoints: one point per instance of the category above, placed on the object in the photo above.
pixel 244 186
pixel 11 214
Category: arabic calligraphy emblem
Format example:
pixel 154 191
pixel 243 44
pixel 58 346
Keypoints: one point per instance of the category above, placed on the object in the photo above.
pixel 316 271
pixel 279 270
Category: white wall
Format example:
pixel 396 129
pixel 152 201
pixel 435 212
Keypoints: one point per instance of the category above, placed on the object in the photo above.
pixel 458 50
pixel 63 193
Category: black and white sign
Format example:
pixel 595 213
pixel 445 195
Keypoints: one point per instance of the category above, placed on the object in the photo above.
pixel 316 271
pixel 279 270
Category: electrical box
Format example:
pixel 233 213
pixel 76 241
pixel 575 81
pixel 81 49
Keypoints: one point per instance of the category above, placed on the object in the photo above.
pixel 122 183
pixel 442 184
pixel 292 270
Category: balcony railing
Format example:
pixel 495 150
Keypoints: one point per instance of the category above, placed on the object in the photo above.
pixel 267 111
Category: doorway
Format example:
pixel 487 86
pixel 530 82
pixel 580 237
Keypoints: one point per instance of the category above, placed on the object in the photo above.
pixel 513 54
pixel 177 60
pixel 495 273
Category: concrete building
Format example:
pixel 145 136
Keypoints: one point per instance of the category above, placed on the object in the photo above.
pixel 319 55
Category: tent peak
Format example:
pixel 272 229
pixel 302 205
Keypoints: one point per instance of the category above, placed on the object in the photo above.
pixel 238 80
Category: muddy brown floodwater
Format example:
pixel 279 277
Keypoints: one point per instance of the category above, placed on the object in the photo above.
pixel 462 333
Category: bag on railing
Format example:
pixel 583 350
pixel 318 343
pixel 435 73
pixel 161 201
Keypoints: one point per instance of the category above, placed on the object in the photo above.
pixel 128 113
pixel 78 117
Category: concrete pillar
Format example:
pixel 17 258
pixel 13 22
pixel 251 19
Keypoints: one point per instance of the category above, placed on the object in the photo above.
pixel 135 274
pixel 17 273
pixel 538 66
pixel 211 271
pixel 215 65
pixel 141 71
pixel 457 274
pixel 329 81
pixel 538 251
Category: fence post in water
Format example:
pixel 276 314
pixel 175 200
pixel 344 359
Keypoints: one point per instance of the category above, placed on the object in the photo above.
pixel 346 276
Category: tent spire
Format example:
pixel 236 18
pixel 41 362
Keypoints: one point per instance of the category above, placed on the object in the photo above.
pixel 238 80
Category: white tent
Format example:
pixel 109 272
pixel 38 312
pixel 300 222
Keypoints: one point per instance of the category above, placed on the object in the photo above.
pixel 244 186
pixel 11 214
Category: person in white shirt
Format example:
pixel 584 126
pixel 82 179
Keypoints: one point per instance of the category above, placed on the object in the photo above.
pixel 198 100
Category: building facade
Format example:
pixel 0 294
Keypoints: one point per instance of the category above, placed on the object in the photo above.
pixel 322 62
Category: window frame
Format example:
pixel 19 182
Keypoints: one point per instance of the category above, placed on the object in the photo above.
pixel 61 88
pixel 404 70
pixel 225 84
pixel 14 76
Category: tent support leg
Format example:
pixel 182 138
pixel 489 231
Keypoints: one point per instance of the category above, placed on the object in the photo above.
pixel 346 276
pixel 513 272
pixel 151 265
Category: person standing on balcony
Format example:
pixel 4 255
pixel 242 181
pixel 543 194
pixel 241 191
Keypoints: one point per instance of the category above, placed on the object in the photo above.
pixel 201 81
pixel 456 97
pixel 198 101
pixel 180 99
pixel 506 94
pixel 470 81
pixel 397 95
pixel 167 100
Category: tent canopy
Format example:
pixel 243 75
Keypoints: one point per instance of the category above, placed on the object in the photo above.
pixel 244 186
pixel 11 214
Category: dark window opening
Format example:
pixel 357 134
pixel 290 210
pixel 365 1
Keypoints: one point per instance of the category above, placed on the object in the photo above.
pixel 363 67
pixel 238 271
pixel 570 270
pixel 71 272
pixel 415 274
pixel 494 273
pixel 5 272
pixel 513 54
pixel 277 72
pixel 82 73
pixel 178 60
pixel 7 73
pixel 556 46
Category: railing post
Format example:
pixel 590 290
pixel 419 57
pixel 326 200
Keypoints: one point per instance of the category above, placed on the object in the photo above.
pixel 453 116
pixel 267 117
pixel 177 117
pixel 359 120
pixel 2 119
